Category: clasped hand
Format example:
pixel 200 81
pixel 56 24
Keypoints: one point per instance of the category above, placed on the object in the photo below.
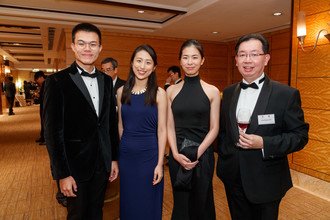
pixel 185 162
pixel 250 141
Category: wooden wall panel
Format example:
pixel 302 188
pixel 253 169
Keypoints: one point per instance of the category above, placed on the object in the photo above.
pixel 315 23
pixel 319 122
pixel 315 64
pixel 312 6
pixel 215 62
pixel 281 40
pixel 280 72
pixel 220 50
pixel 121 46
pixel 311 71
pixel 280 56
pixel 315 92
pixel 315 157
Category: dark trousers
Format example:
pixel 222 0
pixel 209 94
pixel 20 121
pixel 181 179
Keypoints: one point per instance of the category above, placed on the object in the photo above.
pixel 42 136
pixel 11 104
pixel 242 209
pixel 90 198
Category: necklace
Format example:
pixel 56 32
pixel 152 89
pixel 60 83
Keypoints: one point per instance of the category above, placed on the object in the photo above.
pixel 139 92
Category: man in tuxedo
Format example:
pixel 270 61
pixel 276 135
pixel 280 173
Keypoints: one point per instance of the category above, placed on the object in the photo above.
pixel 81 129
pixel 174 76
pixel 253 163
pixel 110 67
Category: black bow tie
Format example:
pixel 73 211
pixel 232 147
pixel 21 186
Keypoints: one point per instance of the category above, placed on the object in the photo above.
pixel 84 73
pixel 252 85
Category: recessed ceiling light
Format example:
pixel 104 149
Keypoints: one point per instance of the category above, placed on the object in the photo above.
pixel 215 32
pixel 140 11
pixel 277 13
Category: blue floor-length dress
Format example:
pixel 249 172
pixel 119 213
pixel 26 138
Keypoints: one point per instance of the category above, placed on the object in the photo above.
pixel 138 157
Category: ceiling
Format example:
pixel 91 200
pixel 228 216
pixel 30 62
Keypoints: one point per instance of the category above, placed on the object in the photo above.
pixel 31 30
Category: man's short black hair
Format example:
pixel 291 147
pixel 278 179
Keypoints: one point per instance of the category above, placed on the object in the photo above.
pixel 175 69
pixel 259 37
pixel 87 27
pixel 110 60
pixel 39 74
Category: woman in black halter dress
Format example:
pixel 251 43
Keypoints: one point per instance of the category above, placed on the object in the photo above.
pixel 193 124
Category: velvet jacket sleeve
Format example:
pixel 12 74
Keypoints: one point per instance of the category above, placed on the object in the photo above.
pixel 53 115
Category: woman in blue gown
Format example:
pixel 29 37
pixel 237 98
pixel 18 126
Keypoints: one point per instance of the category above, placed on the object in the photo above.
pixel 142 128
pixel 193 125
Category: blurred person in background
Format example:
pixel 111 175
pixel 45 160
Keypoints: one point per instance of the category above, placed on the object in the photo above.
pixel 10 92
pixel 110 67
pixel 39 78
pixel 174 76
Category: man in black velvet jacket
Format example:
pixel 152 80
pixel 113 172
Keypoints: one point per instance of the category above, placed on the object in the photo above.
pixel 81 128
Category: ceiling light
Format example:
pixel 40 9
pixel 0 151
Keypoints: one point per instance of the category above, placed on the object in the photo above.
pixel 277 13
pixel 215 32
pixel 140 11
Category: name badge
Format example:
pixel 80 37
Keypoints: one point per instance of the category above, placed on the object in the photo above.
pixel 266 119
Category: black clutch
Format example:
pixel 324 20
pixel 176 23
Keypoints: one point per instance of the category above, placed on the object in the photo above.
pixel 189 148
pixel 183 180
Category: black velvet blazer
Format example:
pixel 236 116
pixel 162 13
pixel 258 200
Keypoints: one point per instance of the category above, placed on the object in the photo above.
pixel 75 135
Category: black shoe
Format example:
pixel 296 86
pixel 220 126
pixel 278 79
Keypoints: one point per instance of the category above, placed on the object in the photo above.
pixel 11 113
pixel 61 199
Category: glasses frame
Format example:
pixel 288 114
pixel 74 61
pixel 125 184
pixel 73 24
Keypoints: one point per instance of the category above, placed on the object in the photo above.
pixel 252 56
pixel 109 69
pixel 93 45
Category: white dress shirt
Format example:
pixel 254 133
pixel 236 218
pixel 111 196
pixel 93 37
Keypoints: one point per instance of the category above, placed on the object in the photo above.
pixel 93 89
pixel 248 97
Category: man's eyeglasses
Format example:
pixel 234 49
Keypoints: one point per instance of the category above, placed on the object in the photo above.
pixel 108 69
pixel 92 45
pixel 253 56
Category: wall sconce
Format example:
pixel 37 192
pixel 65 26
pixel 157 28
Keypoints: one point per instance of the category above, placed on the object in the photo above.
pixel 301 31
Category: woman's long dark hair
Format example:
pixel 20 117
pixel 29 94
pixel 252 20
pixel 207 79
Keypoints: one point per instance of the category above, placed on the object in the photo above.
pixel 152 86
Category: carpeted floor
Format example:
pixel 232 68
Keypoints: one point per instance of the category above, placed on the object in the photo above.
pixel 27 190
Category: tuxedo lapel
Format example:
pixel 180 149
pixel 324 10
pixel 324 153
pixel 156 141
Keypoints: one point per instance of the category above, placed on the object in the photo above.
pixel 232 112
pixel 100 81
pixel 261 105
pixel 77 79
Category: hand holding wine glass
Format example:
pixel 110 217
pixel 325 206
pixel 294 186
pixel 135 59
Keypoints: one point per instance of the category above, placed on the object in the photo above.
pixel 243 118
